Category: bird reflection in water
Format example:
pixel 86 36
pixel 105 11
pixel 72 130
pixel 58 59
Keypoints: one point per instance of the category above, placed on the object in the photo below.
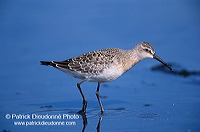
pixel 85 122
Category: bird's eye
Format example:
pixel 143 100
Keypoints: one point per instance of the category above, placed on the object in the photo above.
pixel 147 50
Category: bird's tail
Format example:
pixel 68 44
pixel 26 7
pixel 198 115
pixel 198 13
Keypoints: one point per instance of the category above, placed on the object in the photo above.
pixel 47 63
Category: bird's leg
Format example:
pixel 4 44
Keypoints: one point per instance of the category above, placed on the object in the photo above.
pixel 84 99
pixel 98 97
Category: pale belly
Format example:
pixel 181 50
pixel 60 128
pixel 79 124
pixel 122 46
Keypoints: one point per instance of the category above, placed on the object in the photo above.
pixel 107 75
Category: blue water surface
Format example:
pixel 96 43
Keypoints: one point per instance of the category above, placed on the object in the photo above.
pixel 142 100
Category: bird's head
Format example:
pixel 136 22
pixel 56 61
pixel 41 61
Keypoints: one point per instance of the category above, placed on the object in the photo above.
pixel 145 50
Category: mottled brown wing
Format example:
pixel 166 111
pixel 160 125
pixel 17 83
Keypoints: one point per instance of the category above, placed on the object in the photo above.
pixel 93 62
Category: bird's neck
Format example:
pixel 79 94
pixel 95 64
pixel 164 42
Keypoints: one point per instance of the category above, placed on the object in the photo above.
pixel 130 59
pixel 134 56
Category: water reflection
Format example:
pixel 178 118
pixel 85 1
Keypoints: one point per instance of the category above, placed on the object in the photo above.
pixel 71 112
pixel 99 122
pixel 85 122
pixel 91 114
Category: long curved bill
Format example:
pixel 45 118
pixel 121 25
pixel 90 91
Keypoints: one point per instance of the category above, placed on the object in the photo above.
pixel 159 59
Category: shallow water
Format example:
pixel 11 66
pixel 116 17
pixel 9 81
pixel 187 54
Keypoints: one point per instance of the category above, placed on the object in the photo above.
pixel 147 98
